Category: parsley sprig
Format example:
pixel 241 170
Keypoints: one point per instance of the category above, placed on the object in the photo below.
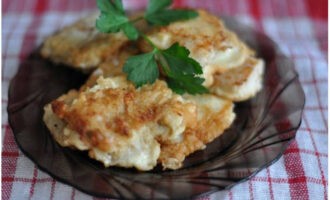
pixel 182 73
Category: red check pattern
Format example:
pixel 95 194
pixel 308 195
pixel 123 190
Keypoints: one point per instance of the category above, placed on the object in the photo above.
pixel 300 27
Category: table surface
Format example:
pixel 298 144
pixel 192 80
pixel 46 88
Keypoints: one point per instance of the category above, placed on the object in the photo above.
pixel 299 27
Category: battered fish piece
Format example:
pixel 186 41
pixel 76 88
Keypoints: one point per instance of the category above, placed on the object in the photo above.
pixel 81 45
pixel 119 124
pixel 241 83
pixel 123 126
pixel 113 66
pixel 208 40
pixel 214 116
pixel 61 133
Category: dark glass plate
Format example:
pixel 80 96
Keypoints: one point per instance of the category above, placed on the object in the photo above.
pixel 263 128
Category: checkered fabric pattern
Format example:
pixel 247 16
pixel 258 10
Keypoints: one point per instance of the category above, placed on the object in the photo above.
pixel 299 27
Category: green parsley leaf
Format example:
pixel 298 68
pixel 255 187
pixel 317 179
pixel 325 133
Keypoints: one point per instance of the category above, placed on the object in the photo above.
pixel 142 69
pixel 178 60
pixel 118 4
pixel 158 13
pixel 113 19
pixel 110 6
pixel 186 83
pixel 104 6
pixel 110 23
pixel 130 31
pixel 165 17
pixel 155 6
pixel 181 70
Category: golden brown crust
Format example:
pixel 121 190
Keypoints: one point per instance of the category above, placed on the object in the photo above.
pixel 210 43
pixel 236 76
pixel 240 83
pixel 124 126
pixel 113 117
pixel 81 46
pixel 129 107
pixel 213 35
pixel 113 65
pixel 206 130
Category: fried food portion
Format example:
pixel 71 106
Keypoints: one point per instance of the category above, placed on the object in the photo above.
pixel 210 43
pixel 241 83
pixel 119 124
pixel 230 68
pixel 81 45
pixel 113 66
pixel 61 133
pixel 214 115
pixel 123 126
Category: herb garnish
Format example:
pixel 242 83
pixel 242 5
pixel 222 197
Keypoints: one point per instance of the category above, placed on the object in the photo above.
pixel 182 73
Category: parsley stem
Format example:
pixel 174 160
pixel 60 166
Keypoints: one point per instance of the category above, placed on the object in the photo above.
pixel 146 38
pixel 136 19
pixel 163 64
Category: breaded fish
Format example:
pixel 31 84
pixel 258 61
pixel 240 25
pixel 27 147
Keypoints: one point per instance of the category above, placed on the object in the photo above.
pixel 214 116
pixel 120 125
pixel 123 126
pixel 61 133
pixel 113 66
pixel 210 43
pixel 240 83
pixel 81 45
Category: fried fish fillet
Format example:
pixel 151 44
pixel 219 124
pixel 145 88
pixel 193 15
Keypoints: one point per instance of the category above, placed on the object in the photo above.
pixel 120 125
pixel 237 84
pixel 123 126
pixel 210 43
pixel 241 83
pixel 113 66
pixel 81 45
pixel 61 133
pixel 214 115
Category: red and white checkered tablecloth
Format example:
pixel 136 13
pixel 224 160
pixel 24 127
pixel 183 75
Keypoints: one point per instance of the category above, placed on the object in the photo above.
pixel 300 27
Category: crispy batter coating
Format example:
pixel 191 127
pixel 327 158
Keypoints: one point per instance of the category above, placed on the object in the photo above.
pixel 124 126
pixel 81 46
pixel 61 133
pixel 113 66
pixel 210 43
pixel 240 83
pixel 120 125
pixel 229 66
pixel 214 116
